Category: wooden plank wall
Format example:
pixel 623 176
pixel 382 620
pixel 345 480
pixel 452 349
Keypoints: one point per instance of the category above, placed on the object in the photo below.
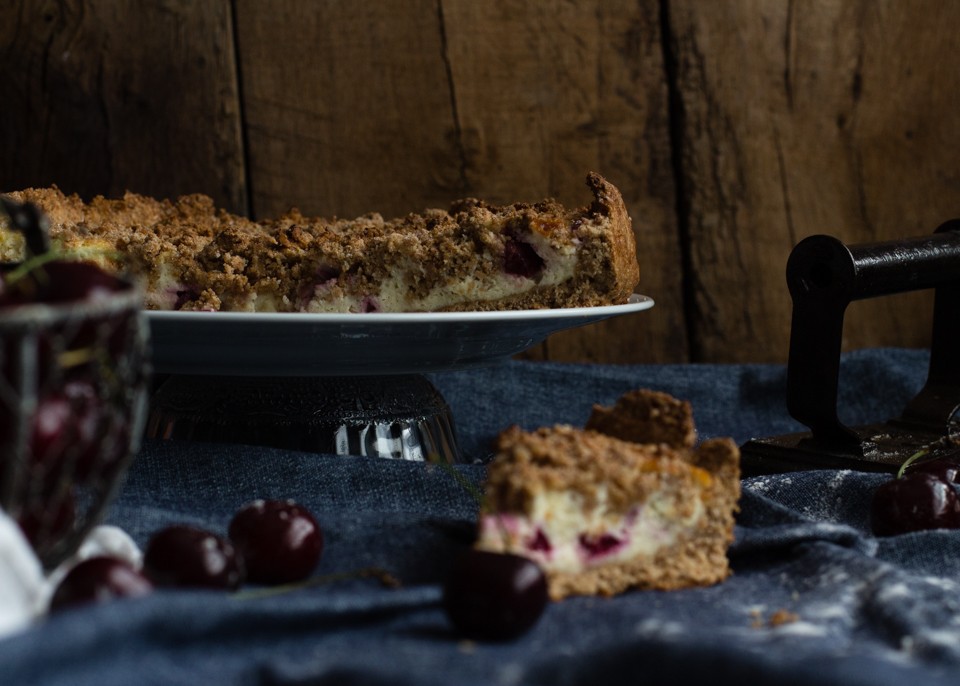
pixel 733 128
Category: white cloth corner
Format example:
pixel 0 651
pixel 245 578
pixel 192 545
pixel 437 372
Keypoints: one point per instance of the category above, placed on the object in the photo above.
pixel 22 583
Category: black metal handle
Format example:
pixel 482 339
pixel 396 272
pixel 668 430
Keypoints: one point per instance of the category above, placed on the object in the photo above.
pixel 824 276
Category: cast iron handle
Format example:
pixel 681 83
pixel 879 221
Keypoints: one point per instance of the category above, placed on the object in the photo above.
pixel 824 276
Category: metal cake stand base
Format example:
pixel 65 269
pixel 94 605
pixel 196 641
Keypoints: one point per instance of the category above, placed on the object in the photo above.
pixel 396 416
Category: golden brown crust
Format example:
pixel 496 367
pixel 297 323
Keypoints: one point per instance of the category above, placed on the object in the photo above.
pixel 697 560
pixel 188 248
pixel 608 202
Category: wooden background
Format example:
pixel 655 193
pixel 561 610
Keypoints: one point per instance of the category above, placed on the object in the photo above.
pixel 733 128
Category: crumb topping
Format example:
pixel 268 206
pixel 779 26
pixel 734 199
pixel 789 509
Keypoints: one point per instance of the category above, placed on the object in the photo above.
pixel 565 458
pixel 438 259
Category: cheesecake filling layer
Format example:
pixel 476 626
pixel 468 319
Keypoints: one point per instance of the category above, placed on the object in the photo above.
pixel 561 534
pixel 394 294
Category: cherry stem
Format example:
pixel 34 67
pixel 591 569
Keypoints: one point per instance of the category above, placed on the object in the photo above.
pixel 910 460
pixel 477 496
pixel 464 482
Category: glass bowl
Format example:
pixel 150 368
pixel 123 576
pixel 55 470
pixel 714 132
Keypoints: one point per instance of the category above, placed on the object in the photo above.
pixel 73 401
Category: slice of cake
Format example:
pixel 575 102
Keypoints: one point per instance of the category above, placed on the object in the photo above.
pixel 602 515
pixel 474 256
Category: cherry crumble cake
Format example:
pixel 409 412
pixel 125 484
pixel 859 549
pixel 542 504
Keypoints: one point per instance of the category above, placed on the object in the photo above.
pixel 475 256
pixel 602 513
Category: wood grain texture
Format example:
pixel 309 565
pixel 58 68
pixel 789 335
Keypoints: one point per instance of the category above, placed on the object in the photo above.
pixel 547 91
pixel 104 96
pixel 801 118
pixel 347 107
pixel 397 106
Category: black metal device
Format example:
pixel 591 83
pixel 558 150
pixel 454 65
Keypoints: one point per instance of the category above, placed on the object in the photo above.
pixel 824 276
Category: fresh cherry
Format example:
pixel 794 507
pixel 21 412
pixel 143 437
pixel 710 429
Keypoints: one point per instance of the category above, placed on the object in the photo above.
pixel 947 468
pixel 494 596
pixel 62 281
pixel 914 502
pixel 52 431
pixel 12 297
pixel 97 580
pixel 279 540
pixel 182 555
pixel 67 432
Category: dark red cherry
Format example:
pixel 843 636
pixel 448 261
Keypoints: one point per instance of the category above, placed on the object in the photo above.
pixel 520 259
pixel 114 447
pixel 97 580
pixel 914 502
pixel 66 431
pixel 494 596
pixel 540 542
pixel 947 468
pixel 597 546
pixel 185 296
pixel 62 281
pixel 279 540
pixel 89 419
pixel 12 297
pixel 186 556
pixel 52 431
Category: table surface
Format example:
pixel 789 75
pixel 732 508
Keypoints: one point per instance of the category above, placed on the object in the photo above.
pixel 863 610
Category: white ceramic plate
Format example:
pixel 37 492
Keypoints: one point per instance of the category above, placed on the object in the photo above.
pixel 293 344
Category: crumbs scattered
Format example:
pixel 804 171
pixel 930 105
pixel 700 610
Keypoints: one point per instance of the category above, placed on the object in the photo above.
pixel 781 617
pixel 386 579
pixel 777 618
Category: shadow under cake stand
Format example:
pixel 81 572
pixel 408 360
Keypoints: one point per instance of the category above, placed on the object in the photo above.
pixel 343 384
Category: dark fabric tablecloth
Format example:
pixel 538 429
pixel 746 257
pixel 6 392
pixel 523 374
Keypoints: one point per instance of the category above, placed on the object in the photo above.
pixel 864 610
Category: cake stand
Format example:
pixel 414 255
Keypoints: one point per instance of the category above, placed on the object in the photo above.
pixel 346 384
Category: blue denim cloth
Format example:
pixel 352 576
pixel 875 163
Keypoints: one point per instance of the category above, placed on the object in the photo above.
pixel 865 611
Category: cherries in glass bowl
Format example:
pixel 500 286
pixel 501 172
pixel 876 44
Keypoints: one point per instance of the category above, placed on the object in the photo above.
pixel 73 386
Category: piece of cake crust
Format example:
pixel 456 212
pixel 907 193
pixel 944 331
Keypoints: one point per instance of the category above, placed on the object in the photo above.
pixel 645 416
pixel 475 256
